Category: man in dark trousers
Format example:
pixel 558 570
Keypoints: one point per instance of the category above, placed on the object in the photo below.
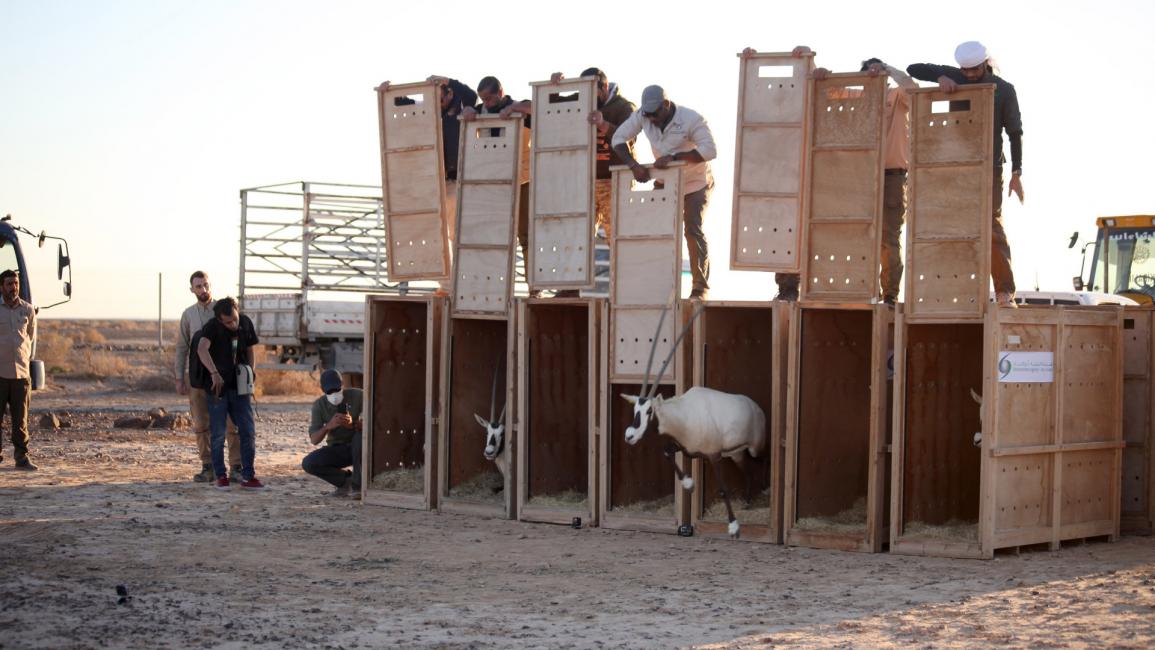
pixel 336 421
pixel 975 67
pixel 227 342
pixel 17 332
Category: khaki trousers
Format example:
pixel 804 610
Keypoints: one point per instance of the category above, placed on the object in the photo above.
pixel 15 395
pixel 893 212
pixel 693 210
pixel 1001 273
pixel 603 203
pixel 199 410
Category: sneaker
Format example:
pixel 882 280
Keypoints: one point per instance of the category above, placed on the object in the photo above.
pixel 26 465
pixel 889 300
pixel 222 483
pixel 342 491
pixel 699 294
pixel 355 494
pixel 206 475
pixel 535 293
pixel 567 293
pixel 787 296
pixel 253 484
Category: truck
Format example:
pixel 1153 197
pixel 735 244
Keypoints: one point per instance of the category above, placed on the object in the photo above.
pixel 1122 260
pixel 306 248
pixel 12 257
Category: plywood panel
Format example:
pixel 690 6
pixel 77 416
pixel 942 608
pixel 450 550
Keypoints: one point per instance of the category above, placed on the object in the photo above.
pixel 952 288
pixel 1087 487
pixel 488 194
pixel 1089 356
pixel 649 275
pixel 412 173
pixel 1138 491
pixel 773 114
pixel 841 268
pixel 1026 410
pixel 949 216
pixel 563 163
pixel 632 339
pixel 842 210
pixel 1024 485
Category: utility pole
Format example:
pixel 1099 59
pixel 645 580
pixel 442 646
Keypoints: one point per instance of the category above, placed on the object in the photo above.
pixel 159 311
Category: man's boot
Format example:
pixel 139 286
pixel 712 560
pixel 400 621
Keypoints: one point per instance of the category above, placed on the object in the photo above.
pixel 206 475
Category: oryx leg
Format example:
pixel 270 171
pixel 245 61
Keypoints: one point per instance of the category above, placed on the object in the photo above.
pixel 733 527
pixel 670 449
pixel 741 462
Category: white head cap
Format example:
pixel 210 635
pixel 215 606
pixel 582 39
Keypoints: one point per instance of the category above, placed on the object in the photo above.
pixel 971 54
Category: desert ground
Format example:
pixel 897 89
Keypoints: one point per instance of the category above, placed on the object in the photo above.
pixel 114 509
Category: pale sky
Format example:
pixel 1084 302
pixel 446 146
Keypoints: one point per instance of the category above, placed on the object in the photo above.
pixel 128 127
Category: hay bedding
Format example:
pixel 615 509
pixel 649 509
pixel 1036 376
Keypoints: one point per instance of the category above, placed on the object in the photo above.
pixel 565 499
pixel 754 512
pixel 852 519
pixel 411 480
pixel 662 506
pixel 951 530
pixel 487 487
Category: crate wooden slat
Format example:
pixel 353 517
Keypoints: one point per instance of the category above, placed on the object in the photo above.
pixel 837 427
pixel 741 347
pixel 558 400
pixel 1138 504
pixel 563 160
pixel 487 204
pixel 842 210
pixel 412 182
pixel 402 389
pixel 948 222
pixel 769 161
pixel 468 483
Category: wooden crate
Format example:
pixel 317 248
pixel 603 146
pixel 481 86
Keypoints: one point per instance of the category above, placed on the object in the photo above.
pixel 488 191
pixel 741 347
pixel 1138 506
pixel 769 160
pixel 1050 461
pixel 468 483
pixel 413 182
pixel 842 207
pixel 948 221
pixel 402 389
pixel 837 427
pixel 636 484
pixel 564 160
pixel 558 363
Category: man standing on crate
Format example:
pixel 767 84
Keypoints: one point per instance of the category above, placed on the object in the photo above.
pixel 17 332
pixel 192 321
pixel 336 421
pixel 676 133
pixel 976 67
pixel 225 344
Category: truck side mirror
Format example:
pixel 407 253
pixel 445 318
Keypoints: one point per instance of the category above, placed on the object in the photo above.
pixel 1074 238
pixel 62 262
pixel 68 289
pixel 1077 281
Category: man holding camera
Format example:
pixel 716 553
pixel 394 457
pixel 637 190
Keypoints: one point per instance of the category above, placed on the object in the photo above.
pixel 336 420
pixel 226 351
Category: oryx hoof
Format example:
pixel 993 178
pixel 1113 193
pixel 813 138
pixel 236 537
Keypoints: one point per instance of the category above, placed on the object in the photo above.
pixel 687 483
pixel 733 529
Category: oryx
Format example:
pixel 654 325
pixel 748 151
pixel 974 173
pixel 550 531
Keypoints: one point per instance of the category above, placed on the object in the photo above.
pixel 495 431
pixel 702 422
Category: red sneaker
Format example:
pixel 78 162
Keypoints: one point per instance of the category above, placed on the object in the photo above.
pixel 222 483
pixel 253 484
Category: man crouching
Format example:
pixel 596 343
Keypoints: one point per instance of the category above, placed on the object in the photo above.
pixel 336 419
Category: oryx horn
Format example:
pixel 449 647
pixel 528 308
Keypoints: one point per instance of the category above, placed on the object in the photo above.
pixel 673 349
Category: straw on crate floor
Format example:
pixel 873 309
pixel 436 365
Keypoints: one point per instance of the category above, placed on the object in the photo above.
pixel 662 506
pixel 410 479
pixel 486 487
pixel 850 520
pixel 951 530
pixel 566 499
pixel 754 512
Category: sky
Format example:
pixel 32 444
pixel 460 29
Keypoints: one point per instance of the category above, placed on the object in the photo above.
pixel 128 127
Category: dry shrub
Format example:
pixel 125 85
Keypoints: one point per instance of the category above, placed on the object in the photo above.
pixel 54 349
pixel 98 364
pixel 286 382
pixel 93 336
pixel 154 382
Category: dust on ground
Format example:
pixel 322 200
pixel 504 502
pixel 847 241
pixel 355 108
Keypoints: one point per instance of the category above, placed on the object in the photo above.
pixel 292 567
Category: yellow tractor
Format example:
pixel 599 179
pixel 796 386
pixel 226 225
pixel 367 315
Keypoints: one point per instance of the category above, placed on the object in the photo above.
pixel 1123 262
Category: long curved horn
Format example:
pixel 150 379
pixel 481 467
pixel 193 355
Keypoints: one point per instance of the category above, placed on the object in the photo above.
pixel 493 394
pixel 653 347
pixel 674 349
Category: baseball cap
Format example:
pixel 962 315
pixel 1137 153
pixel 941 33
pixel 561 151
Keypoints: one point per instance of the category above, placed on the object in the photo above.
pixel 331 381
pixel 652 98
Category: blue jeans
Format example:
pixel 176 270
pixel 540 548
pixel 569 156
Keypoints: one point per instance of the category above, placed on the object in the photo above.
pixel 240 409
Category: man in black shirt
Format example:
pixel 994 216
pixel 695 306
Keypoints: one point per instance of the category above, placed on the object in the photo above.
pixel 975 67
pixel 226 342
pixel 335 419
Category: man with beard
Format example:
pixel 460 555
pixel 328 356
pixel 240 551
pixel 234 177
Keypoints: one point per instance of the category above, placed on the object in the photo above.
pixel 975 67
pixel 192 321
pixel 17 332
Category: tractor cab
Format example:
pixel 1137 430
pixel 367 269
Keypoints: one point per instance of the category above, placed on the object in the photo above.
pixel 1123 262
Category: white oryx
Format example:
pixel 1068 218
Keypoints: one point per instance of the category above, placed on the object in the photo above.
pixel 495 432
pixel 702 422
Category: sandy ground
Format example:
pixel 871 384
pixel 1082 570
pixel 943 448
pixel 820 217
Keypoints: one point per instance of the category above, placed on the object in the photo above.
pixel 291 567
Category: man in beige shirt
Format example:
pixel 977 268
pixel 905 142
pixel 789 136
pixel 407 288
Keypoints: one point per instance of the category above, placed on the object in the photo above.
pixel 17 334
pixel 192 321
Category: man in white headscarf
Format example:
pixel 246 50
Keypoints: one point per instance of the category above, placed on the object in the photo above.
pixel 975 67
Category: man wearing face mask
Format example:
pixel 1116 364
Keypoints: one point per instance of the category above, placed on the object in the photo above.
pixel 336 420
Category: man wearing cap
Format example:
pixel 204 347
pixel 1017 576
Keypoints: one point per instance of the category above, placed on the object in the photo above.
pixel 336 420
pixel 676 133
pixel 975 67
